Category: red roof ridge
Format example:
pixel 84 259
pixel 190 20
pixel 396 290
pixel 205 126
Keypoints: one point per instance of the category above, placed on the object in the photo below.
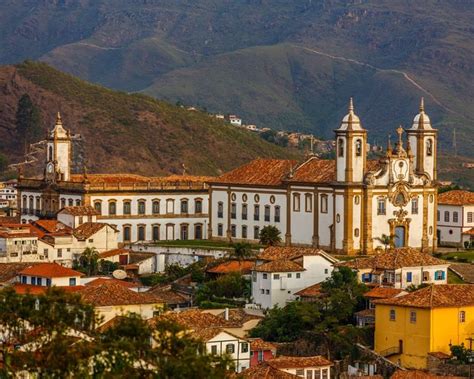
pixel 50 270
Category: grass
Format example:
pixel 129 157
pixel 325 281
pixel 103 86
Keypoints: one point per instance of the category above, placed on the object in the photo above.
pixel 467 255
pixel 454 279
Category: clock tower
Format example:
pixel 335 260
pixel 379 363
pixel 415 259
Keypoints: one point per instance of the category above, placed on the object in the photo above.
pixel 58 153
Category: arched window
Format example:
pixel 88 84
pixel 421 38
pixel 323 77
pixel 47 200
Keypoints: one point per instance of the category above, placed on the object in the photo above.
pixel 358 147
pixel 198 206
pixel 156 232
pixel 277 213
pixel 308 202
pixel 455 216
pixel 324 203
pixel 63 202
pixel 296 202
pixel 462 316
pixel 38 203
pixel 78 203
pixel 429 147
pixel 184 206
pixel 141 233
pixel 32 205
pixel 267 213
pixel 50 155
pixel 112 208
pixel 98 206
pixel 340 147
pixel 141 207
pixel 127 207
pixel 220 209
pixel 198 231
pixel 126 233
pixel 70 202
pixel 156 207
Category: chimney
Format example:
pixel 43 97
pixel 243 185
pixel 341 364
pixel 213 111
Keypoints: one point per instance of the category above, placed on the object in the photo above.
pixel 226 314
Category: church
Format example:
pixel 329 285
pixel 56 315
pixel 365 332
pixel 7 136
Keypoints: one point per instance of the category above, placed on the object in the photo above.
pixel 346 205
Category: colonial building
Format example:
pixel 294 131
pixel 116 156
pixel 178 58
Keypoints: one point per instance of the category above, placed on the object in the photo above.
pixel 140 208
pixel 341 205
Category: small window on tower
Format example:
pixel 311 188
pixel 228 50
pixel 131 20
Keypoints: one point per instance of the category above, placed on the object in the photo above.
pixel 358 148
pixel 429 147
pixel 340 147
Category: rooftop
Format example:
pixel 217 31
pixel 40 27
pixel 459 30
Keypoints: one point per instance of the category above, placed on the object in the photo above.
pixel 272 253
pixel 232 266
pixel 311 291
pixel 282 265
pixel 83 210
pixel 9 271
pixel 264 371
pixel 435 296
pixel 285 362
pixel 50 270
pixel 23 289
pixel 414 374
pixel 99 281
pixel 383 293
pixel 315 170
pixel 88 229
pixel 259 344
pixel 456 197
pixel 195 319
pixel 167 295
pixel 114 252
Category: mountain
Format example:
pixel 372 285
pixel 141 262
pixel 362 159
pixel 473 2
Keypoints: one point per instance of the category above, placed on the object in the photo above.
pixel 279 63
pixel 123 132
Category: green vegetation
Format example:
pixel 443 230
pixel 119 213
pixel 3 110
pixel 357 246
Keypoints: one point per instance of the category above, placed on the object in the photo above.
pixel 463 256
pixel 28 122
pixel 228 289
pixel 270 235
pixel 211 244
pixel 242 251
pixel 173 272
pixel 39 336
pixel 454 279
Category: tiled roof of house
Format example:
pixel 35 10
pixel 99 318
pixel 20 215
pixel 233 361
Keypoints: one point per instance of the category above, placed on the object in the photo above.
pixel 469 232
pixel 239 316
pixel 110 293
pixel 260 171
pixel 99 281
pixel 9 271
pixel 52 226
pixel 311 291
pixel 394 259
pixel 23 289
pixel 50 270
pixel 435 296
pixel 88 229
pixel 167 295
pixel 315 170
pixel 456 197
pixel 365 313
pixel 264 371
pixel 281 265
pixel 382 292
pixel 259 344
pixel 82 210
pixel 114 252
pixel 415 374
pixel 195 319
pixel 132 178
pixel 272 253
pixel 286 362
pixel 243 267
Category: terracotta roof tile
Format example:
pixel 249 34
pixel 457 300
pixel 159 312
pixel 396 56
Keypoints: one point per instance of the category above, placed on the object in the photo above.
pixel 311 291
pixel 23 289
pixel 195 319
pixel 394 259
pixel 366 313
pixel 111 293
pixel 9 271
pixel 269 172
pixel 99 281
pixel 114 252
pixel 168 296
pixel 456 197
pixel 243 267
pixel 259 344
pixel 286 362
pixel 132 178
pixel 50 270
pixel 414 374
pixel 88 229
pixel 82 210
pixel 272 253
pixel 315 170
pixel 435 296
pixel 282 265
pixel 52 226
pixel 469 232
pixel 383 293
pixel 264 371
pixel 239 316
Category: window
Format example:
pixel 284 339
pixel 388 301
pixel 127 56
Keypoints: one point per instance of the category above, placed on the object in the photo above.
pixel 308 202
pixel 324 203
pixel 437 216
pixel 72 281
pixel 245 347
pixel 409 277
pixel 276 276
pixel 63 203
pixel 60 253
pixel 198 231
pixel 439 275
pixel 220 209
pixel 78 203
pixel 289 275
pixel 256 212
pixel 141 207
pixel 265 276
pixel 300 372
pixel 267 213
pixel 112 208
pixel 429 147
pixel 70 202
pixel 244 211
pixel 309 374
pixel 296 202
pixel 126 234
pixel 33 280
pixel 233 231
pixel 298 275
pixel 267 292
pixel 214 349
pixel 169 206
pixel 244 231
pixel 81 220
pixel 184 206
pixel 141 233
pixel 462 316
pixel 340 147
pixel 48 282
pixel 98 206
pixel 198 206
pixel 23 279
pixel 358 148
pixel 413 317
pixel 229 348
pixel 155 207
pixel 156 232
pixel 39 281
pixel 469 216
pixel 446 216
pixel 127 207
pixel 233 211
pixel 455 216
pixel 426 276
pixel 256 233
pixel 356 232
pixel 326 271
pixel 414 206
pixel 262 291
pixel 381 207
pixel 184 232
pixel 392 314
pixel 260 355
pixel 220 230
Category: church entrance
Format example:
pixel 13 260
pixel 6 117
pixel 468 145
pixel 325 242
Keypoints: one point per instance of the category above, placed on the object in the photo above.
pixel 399 236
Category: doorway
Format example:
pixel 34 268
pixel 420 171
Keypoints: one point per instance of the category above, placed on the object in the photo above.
pixel 399 236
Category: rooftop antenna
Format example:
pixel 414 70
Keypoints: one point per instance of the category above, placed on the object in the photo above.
pixel 454 143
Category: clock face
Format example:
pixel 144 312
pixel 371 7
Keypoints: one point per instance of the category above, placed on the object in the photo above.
pixel 50 168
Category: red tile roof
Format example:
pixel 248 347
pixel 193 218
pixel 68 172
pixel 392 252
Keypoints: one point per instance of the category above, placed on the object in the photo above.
pixel 50 270
pixel 286 362
pixel 272 253
pixel 315 170
pixel 168 296
pixel 23 289
pixel 264 371
pixel 269 172
pixel 9 271
pixel 82 210
pixel 259 344
pixel 469 232
pixel 282 265
pixel 88 229
pixel 435 296
pixel 311 291
pixel 243 267
pixel 414 374
pixel 195 319
pixel 114 252
pixel 99 281
pixel 132 178
pixel 382 293
pixel 52 226
pixel 456 197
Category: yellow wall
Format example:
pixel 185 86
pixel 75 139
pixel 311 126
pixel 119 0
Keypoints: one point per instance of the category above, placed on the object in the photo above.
pixel 144 310
pixel 433 331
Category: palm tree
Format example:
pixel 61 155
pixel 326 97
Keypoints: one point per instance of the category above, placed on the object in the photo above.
pixel 89 259
pixel 242 251
pixel 270 235
pixel 386 240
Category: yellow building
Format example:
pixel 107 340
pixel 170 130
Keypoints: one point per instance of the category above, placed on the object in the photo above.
pixel 410 326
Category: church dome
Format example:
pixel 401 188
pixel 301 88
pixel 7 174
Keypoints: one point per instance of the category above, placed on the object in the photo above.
pixel 350 121
pixel 421 120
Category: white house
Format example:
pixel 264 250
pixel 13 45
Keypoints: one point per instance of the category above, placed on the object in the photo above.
pixel 49 274
pixel 19 243
pixel 305 367
pixel 400 268
pixel 75 216
pixel 281 272
pixel 455 217
pixel 235 120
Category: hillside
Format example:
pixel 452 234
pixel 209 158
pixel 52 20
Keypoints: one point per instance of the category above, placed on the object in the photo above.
pixel 278 63
pixel 125 132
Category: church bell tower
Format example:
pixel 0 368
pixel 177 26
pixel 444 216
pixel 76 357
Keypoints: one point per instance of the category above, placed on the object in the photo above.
pixel 58 153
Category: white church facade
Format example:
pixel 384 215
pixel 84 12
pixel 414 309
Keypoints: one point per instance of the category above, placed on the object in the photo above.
pixel 140 208
pixel 344 205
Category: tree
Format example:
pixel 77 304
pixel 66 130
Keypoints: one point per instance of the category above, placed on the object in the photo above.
pixel 242 251
pixel 229 286
pixel 270 235
pixel 28 121
pixel 386 240
pixel 89 260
